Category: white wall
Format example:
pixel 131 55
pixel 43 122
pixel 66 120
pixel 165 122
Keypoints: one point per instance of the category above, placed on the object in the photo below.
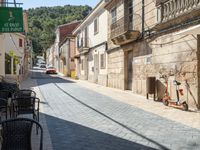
pixel 101 36
pixel 12 43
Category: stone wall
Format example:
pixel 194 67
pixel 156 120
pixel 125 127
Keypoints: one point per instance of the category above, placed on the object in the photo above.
pixel 116 69
pixel 171 53
pixel 103 80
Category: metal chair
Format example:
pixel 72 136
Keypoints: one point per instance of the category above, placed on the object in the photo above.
pixel 3 107
pixel 24 93
pixel 5 94
pixel 17 133
pixel 13 87
pixel 26 105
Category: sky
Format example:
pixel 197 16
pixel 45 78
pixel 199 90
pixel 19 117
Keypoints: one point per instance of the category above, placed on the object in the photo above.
pixel 37 3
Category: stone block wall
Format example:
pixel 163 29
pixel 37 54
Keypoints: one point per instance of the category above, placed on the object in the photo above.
pixel 103 80
pixel 116 69
pixel 171 53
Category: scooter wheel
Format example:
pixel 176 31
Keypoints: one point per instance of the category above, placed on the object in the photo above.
pixel 185 106
pixel 165 102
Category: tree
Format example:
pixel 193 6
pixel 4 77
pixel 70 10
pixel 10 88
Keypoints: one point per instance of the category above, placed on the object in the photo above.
pixel 43 21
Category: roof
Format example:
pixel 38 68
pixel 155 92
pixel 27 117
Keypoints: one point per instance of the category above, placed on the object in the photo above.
pixel 66 30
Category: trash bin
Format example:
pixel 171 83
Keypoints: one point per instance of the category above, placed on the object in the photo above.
pixel 151 86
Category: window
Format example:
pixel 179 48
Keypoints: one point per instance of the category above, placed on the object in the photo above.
pixel 86 37
pixel 103 60
pixel 79 41
pixel 114 14
pixel 20 43
pixel 130 11
pixel 96 26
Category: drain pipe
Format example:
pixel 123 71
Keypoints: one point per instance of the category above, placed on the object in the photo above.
pixel 142 18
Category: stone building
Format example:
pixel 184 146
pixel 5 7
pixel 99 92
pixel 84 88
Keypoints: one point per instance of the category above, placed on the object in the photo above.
pixel 62 32
pixel 67 52
pixel 91 37
pixel 154 38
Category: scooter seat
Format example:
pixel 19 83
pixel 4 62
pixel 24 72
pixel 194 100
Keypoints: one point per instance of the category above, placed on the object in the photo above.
pixel 176 82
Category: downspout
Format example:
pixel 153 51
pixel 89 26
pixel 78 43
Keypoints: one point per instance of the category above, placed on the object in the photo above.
pixel 142 18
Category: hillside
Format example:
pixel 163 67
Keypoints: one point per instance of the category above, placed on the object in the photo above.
pixel 43 21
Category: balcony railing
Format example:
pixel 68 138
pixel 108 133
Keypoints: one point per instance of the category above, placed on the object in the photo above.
pixel 122 32
pixel 169 9
pixel 83 44
pixel 119 27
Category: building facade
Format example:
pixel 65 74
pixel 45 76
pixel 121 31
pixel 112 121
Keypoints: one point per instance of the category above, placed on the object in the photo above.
pixel 49 56
pixel 13 48
pixel 62 32
pixel 151 38
pixel 15 51
pixel 67 52
pixel 91 43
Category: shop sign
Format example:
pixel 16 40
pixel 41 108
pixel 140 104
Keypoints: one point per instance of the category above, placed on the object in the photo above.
pixel 11 19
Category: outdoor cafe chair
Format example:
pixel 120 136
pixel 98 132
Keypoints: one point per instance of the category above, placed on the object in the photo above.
pixel 6 95
pixel 24 93
pixel 3 107
pixel 26 105
pixel 16 134
pixel 13 87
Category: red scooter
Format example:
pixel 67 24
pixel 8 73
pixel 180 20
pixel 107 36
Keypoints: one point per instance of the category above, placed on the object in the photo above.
pixel 168 101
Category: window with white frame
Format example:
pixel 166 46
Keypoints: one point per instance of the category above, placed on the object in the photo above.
pixel 96 25
pixel 103 60
pixel 114 15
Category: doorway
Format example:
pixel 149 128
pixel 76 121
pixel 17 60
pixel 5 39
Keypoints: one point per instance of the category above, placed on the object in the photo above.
pixel 129 70
pixel 96 67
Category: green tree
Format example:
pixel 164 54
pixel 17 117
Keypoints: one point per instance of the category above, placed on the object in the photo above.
pixel 44 20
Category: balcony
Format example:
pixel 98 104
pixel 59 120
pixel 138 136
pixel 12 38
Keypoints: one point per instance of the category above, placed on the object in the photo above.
pixel 174 12
pixel 122 32
pixel 83 45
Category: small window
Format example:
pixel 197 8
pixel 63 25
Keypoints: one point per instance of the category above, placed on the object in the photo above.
pixel 114 15
pixel 103 60
pixel 20 43
pixel 96 26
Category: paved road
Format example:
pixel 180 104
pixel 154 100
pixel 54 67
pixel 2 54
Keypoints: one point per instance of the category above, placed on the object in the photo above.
pixel 81 119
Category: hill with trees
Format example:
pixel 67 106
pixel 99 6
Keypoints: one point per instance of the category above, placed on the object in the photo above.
pixel 44 20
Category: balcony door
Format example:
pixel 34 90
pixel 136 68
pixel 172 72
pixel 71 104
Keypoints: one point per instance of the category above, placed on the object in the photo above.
pixel 86 37
pixel 96 67
pixel 129 70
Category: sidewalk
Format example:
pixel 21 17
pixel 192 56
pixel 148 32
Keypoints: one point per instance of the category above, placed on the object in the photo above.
pixel 29 83
pixel 189 118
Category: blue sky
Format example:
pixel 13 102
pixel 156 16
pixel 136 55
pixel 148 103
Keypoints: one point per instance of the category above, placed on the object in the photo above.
pixel 37 3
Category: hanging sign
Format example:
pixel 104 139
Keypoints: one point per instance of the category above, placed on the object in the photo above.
pixel 11 19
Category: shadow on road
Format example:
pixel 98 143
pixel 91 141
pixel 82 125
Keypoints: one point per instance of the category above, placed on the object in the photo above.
pixel 72 136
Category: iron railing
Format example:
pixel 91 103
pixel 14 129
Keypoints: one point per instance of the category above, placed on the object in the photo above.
pixel 169 9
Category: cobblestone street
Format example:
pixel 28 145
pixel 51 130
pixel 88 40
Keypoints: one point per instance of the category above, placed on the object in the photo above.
pixel 78 118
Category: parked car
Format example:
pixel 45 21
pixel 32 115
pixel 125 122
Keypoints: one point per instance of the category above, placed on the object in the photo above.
pixel 51 70
pixel 42 66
